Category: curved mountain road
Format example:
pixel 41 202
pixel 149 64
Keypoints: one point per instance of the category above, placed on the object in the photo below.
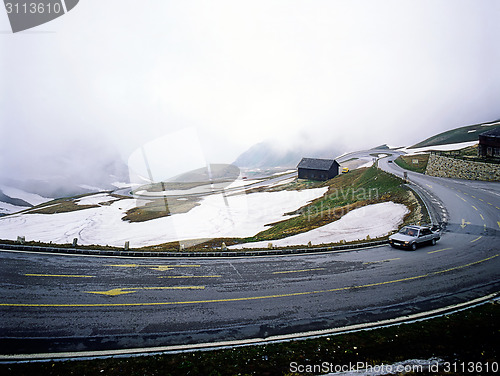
pixel 69 303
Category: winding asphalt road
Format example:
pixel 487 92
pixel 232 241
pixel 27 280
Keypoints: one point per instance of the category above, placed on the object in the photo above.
pixel 69 303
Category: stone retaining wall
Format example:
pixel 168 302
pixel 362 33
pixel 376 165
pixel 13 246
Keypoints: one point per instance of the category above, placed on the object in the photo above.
pixel 457 168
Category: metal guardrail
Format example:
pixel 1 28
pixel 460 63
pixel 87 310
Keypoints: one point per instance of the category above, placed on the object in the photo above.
pixel 137 253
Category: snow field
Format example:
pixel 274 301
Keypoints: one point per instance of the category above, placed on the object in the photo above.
pixel 217 216
pixel 6 208
pixel 446 147
pixel 372 220
pixel 94 199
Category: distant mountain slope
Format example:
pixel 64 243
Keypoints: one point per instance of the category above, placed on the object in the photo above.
pixel 217 172
pixel 10 205
pixel 13 201
pixel 462 134
pixel 381 147
pixel 265 154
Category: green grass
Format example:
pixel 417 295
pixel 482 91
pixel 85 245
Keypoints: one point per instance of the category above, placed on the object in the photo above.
pixel 462 134
pixel 468 154
pixel 345 192
pixel 408 162
pixel 67 204
pixel 468 336
pixel 161 207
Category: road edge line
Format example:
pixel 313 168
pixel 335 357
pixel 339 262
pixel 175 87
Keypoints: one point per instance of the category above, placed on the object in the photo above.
pixel 210 346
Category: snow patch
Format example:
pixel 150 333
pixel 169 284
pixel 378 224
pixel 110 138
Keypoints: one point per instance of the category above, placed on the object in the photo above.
pixel 372 220
pixel 94 199
pixel 241 183
pixel 490 124
pixel 447 147
pixel 216 216
pixel 6 208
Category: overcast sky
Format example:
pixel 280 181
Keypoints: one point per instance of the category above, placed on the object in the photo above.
pixel 120 73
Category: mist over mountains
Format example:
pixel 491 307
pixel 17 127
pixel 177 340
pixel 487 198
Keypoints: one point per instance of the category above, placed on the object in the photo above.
pixel 81 168
pixel 268 154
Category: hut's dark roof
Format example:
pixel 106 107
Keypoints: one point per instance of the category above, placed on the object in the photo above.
pixel 495 132
pixel 316 164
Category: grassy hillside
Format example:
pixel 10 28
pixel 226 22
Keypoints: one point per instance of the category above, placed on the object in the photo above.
pixel 345 192
pixel 417 163
pixel 462 134
pixel 62 205
pixel 160 207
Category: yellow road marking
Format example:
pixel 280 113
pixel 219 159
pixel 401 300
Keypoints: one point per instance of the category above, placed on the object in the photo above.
pixel 462 198
pixel 375 262
pixel 191 276
pixel 474 207
pixel 472 196
pixel 298 271
pixel 475 240
pixel 60 275
pixel 439 250
pixel 481 200
pixel 130 290
pixel 430 186
pixel 125 265
pixel 152 266
pixel 498 223
pixel 161 268
pixel 481 216
pixel 464 223
pixel 497 207
pixel 489 203
pixel 250 298
pixel 112 292
pixel 170 288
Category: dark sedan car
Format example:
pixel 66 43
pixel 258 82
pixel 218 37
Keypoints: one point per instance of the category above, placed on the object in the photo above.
pixel 413 236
